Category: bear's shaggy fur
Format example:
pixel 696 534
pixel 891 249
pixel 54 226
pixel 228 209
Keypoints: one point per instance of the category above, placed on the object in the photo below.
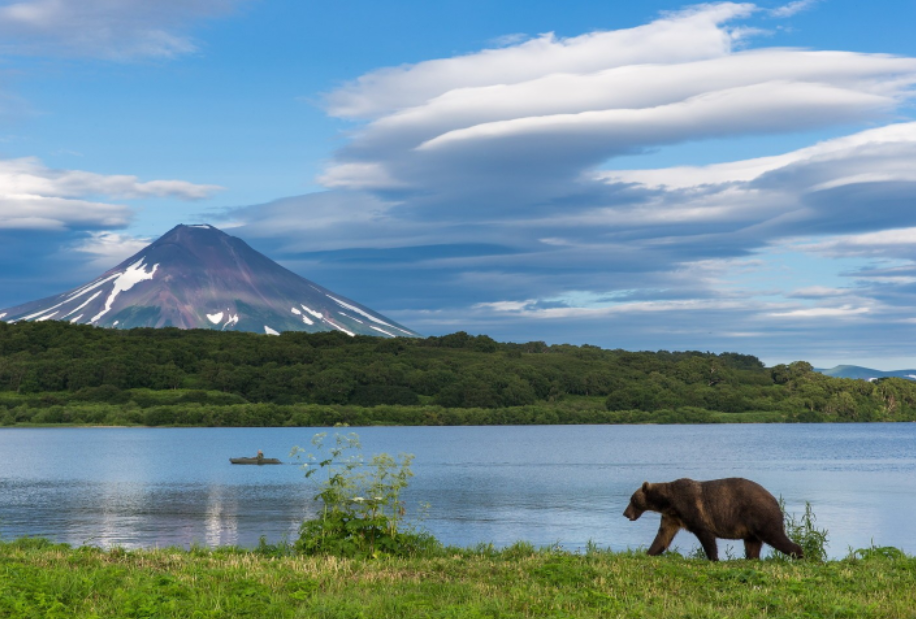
pixel 733 508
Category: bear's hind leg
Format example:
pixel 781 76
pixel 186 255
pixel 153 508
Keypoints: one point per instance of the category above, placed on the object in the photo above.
pixel 752 547
pixel 708 541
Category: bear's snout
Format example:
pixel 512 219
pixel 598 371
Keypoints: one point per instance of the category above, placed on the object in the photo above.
pixel 631 513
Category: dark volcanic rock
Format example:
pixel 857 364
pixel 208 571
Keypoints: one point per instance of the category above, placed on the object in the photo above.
pixel 197 277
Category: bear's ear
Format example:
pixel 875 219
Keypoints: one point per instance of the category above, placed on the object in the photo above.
pixel 645 486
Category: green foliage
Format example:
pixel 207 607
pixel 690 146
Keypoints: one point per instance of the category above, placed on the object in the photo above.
pixel 803 531
pixel 362 512
pixel 876 553
pixel 57 373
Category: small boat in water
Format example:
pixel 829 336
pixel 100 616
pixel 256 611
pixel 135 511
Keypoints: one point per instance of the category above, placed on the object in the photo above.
pixel 254 461
pixel 258 459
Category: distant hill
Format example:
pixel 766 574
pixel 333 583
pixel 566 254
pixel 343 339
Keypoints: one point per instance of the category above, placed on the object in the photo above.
pixel 197 277
pixel 855 371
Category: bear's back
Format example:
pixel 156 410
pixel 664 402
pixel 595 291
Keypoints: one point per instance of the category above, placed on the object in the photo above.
pixel 736 506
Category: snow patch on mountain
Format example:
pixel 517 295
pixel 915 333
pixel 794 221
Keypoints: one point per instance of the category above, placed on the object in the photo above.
pixel 270 331
pixel 305 318
pixel 338 327
pixel 84 304
pixel 382 331
pixel 48 317
pixel 215 318
pixel 233 320
pixel 349 317
pixel 134 274
pixel 360 312
pixel 317 315
pixel 90 286
pixel 73 320
pixel 366 314
pixel 64 302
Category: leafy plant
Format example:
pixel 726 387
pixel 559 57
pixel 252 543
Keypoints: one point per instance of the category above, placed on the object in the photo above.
pixel 362 511
pixel 876 552
pixel 802 531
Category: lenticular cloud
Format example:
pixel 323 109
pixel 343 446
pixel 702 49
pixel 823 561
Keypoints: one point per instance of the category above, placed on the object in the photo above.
pixel 548 110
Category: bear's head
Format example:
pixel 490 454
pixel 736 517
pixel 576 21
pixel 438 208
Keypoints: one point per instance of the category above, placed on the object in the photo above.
pixel 639 502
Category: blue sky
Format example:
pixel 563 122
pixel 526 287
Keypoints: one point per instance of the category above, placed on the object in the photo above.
pixel 653 175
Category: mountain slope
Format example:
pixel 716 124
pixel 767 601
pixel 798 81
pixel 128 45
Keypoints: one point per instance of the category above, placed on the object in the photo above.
pixel 198 277
pixel 855 371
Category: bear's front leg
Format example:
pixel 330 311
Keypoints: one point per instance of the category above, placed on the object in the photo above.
pixel 708 541
pixel 666 533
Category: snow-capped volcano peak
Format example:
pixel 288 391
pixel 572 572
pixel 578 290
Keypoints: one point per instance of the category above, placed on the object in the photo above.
pixel 198 277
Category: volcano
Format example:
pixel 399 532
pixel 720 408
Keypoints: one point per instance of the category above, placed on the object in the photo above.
pixel 198 277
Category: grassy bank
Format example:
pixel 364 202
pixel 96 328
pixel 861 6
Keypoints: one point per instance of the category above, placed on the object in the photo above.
pixel 39 579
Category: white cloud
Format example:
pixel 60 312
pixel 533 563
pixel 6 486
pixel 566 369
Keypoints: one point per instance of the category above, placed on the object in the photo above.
pixel 836 150
pixel 762 107
pixel 30 212
pixel 510 39
pixel 531 122
pixel 29 176
pixel 109 248
pixel 862 180
pixel 678 37
pixel 112 29
pixel 33 196
pixel 358 176
pixel 890 243
pixel 823 312
pixel 790 9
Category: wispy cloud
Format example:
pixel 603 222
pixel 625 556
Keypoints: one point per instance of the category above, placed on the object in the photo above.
pixel 509 39
pixel 33 196
pixel 107 249
pixel 119 30
pixel 790 9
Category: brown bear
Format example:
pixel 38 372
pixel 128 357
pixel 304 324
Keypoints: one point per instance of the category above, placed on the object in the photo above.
pixel 733 508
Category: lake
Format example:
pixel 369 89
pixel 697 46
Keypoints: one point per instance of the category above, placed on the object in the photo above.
pixel 566 485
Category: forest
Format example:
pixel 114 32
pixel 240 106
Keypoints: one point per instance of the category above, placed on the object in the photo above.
pixel 57 373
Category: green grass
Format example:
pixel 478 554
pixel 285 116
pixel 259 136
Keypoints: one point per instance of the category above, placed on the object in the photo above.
pixel 40 579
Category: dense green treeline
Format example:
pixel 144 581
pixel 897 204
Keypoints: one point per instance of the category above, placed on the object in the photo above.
pixel 317 415
pixel 53 372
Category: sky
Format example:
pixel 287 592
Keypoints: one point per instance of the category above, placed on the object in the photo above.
pixel 647 176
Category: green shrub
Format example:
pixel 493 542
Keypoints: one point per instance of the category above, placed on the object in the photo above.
pixel 802 531
pixel 362 512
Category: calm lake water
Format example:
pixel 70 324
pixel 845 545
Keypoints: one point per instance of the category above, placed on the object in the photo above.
pixel 142 487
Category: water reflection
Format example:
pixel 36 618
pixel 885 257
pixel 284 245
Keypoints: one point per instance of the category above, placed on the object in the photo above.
pixel 546 485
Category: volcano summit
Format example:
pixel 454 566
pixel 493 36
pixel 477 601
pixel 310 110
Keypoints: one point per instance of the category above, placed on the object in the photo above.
pixel 198 277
